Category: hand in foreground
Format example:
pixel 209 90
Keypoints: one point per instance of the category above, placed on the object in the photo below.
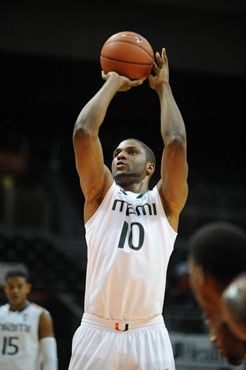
pixel 161 70
pixel 124 82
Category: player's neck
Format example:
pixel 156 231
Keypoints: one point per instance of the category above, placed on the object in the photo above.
pixel 135 188
pixel 19 307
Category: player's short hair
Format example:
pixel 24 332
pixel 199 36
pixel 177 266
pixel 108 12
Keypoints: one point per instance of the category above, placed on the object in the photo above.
pixel 150 156
pixel 17 273
pixel 220 249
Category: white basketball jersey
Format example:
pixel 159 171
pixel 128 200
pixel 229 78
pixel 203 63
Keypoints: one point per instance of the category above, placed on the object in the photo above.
pixel 19 341
pixel 129 242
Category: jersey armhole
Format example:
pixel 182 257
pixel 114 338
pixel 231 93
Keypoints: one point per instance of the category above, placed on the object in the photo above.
pixel 112 188
pixel 171 229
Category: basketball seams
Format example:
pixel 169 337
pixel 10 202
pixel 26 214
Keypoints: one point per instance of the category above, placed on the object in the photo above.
pixel 126 62
pixel 131 43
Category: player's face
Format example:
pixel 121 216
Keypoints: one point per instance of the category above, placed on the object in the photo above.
pixel 205 290
pixel 229 346
pixel 208 296
pixel 16 290
pixel 129 163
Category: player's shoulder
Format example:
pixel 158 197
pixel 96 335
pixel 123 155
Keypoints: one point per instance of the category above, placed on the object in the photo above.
pixel 153 192
pixel 36 307
pixel 113 190
pixel 4 307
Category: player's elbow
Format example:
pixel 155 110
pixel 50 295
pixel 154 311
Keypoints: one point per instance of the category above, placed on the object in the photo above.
pixel 177 142
pixel 79 127
pixel 80 132
pixel 86 127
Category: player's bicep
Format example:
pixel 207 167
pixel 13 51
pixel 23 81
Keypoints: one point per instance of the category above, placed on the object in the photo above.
pixel 174 174
pixel 89 163
pixel 45 325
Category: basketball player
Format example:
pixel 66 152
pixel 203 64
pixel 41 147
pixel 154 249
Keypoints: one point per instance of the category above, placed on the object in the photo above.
pixel 130 233
pixel 233 306
pixel 226 343
pixel 217 254
pixel 26 330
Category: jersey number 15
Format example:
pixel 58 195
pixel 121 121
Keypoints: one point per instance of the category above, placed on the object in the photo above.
pixel 9 346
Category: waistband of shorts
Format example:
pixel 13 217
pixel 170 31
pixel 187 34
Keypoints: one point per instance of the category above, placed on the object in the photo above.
pixel 122 325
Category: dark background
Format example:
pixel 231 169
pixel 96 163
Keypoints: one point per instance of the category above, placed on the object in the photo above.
pixel 50 68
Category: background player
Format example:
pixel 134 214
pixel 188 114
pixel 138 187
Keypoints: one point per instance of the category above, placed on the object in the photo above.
pixel 26 329
pixel 216 255
pixel 233 306
pixel 229 346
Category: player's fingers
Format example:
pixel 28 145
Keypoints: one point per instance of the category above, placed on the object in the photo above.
pixel 150 78
pixel 155 68
pixel 158 59
pixel 103 75
pixel 136 83
pixel 164 55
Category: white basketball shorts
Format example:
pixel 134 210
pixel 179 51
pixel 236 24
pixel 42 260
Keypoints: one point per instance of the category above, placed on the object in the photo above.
pixel 102 344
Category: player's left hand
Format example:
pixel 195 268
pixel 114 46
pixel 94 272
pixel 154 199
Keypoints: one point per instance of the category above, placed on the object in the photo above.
pixel 161 70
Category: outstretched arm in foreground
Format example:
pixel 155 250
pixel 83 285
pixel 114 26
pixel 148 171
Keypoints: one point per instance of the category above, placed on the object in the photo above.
pixel 173 186
pixel 95 177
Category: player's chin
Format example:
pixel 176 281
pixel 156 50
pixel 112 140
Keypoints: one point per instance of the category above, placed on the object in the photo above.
pixel 119 173
pixel 15 300
pixel 234 360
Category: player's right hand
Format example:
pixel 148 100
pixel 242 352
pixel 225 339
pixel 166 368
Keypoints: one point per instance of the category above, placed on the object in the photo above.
pixel 125 83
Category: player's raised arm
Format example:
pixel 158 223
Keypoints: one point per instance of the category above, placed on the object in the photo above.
pixel 95 177
pixel 174 168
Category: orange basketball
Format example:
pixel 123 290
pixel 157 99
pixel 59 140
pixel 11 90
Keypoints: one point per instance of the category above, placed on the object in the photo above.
pixel 129 54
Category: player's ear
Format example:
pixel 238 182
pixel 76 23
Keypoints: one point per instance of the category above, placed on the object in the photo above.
pixel 150 168
pixel 196 273
pixel 29 287
pixel 5 286
pixel 200 276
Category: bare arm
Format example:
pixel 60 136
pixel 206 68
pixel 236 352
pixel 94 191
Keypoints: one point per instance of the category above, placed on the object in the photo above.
pixel 95 177
pixel 173 186
pixel 45 325
pixel 47 342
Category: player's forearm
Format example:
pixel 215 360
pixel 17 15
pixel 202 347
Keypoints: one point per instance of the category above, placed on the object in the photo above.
pixel 48 350
pixel 172 124
pixel 92 115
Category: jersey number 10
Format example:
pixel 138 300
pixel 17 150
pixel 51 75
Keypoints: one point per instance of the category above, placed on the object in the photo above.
pixel 125 232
